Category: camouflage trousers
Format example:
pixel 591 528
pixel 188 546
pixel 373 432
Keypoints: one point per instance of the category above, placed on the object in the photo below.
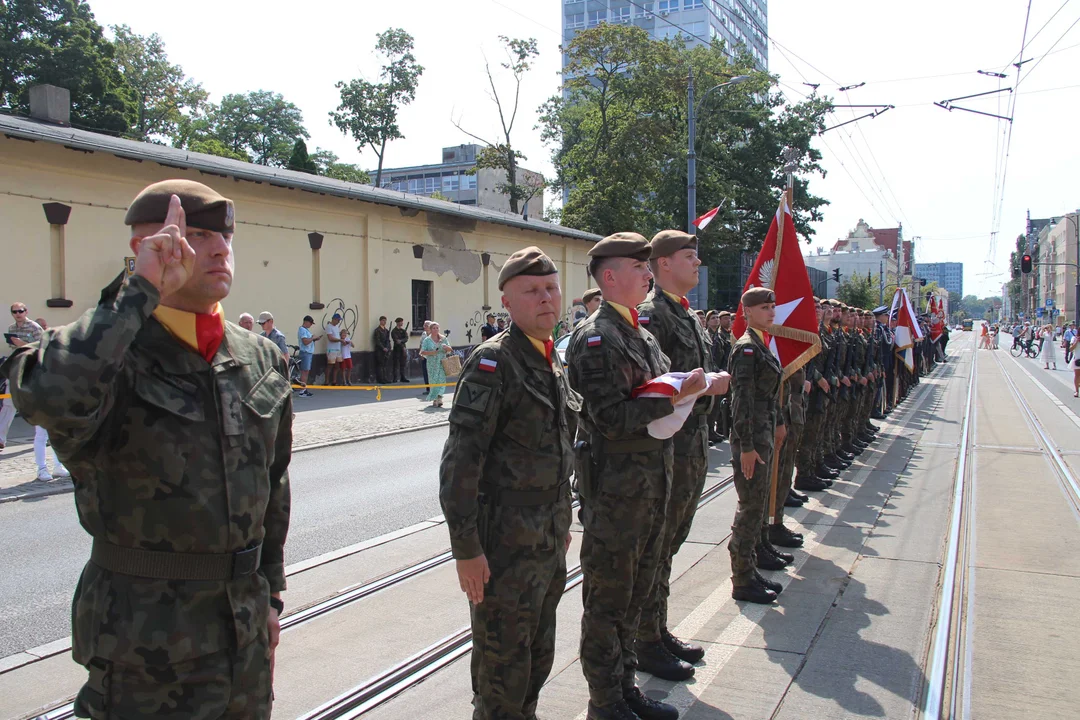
pixel 687 483
pixel 789 451
pixel 620 551
pixel 225 685
pixel 514 630
pixel 749 515
pixel 830 432
pixel 811 452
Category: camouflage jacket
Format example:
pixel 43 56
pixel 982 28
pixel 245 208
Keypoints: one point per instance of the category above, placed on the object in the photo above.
pixel 755 387
pixel 381 337
pixel 858 352
pixel 683 340
pixel 511 431
pixel 400 337
pixel 608 358
pixel 793 411
pixel 167 453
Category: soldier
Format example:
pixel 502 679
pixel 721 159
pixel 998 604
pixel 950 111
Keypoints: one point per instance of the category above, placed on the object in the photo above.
pixel 505 491
pixel 835 457
pixel 810 474
pixel 796 391
pixel 857 363
pixel 176 426
pixel 666 314
pixel 623 476
pixel 591 298
pixel 381 338
pixel 756 430
pixel 399 355
pixel 883 402
pixel 721 356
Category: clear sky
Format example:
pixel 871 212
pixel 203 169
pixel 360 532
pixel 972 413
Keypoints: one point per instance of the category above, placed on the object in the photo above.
pixel 937 172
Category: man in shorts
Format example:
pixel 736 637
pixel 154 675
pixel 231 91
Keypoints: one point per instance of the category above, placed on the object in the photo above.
pixel 333 350
pixel 307 352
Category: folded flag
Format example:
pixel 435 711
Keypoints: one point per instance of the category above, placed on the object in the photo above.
pixel 667 386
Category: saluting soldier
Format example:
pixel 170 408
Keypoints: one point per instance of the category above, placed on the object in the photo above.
pixel 666 314
pixel 176 426
pixel 505 492
pixel 623 476
pixel 756 431
pixel 812 474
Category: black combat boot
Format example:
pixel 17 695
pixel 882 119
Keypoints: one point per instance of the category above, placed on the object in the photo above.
pixel 767 583
pixel 812 484
pixel 866 438
pixel 753 592
pixel 767 560
pixel 617 711
pixel 845 457
pixel 872 427
pixel 780 535
pixel 824 472
pixel 793 502
pixel 833 462
pixel 657 660
pixel 687 652
pixel 798 495
pixel 648 709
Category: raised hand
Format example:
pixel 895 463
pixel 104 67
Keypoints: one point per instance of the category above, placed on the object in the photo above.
pixel 166 259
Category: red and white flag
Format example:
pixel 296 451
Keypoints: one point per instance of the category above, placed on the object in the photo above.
pixel 780 267
pixel 907 328
pixel 937 318
pixel 705 219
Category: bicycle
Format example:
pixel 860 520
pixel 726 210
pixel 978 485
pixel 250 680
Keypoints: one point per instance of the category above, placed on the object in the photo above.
pixel 1024 347
pixel 294 364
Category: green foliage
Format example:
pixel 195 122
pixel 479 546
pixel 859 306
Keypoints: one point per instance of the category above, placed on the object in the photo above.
pixel 300 160
pixel 437 195
pixel 859 292
pixel 327 165
pixel 368 111
pixel 58 42
pixel 213 146
pixel 260 125
pixel 502 155
pixel 162 95
pixel 619 138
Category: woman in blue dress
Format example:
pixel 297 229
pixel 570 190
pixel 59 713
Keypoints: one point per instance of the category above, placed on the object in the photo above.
pixel 434 348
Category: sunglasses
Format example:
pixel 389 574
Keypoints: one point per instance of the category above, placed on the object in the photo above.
pixel 18 312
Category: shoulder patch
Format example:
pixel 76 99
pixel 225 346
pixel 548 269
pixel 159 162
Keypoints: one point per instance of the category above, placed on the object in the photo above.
pixel 473 396
pixel 643 319
pixel 594 341
pixel 488 365
pixel 748 351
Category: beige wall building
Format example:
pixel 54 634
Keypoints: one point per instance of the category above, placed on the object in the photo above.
pixel 304 244
pixel 1057 280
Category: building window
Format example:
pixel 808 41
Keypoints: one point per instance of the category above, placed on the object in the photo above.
pixel 621 15
pixel 666 6
pixel 645 9
pixel 577 20
pixel 421 303
pixel 596 17
pixel 451 183
pixel 470 182
pixel 693 4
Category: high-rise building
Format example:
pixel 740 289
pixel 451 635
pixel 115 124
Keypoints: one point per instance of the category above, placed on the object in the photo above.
pixel 949 275
pixel 735 23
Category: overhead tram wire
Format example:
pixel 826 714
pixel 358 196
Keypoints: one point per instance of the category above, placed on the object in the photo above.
pixel 1036 35
pixel 1036 65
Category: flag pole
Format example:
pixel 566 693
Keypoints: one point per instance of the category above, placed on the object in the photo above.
pixel 790 160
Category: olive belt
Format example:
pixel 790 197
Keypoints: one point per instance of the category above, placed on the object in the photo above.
pixel 160 565
pixel 629 447
pixel 524 498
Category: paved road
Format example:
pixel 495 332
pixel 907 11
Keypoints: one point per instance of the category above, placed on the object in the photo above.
pixel 341 495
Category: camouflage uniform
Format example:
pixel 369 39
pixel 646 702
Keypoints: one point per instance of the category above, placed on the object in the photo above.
pixel 838 349
pixel 794 416
pixel 180 470
pixel 722 406
pixel 682 339
pixel 505 492
pixel 810 454
pixel 858 356
pixel 755 384
pixel 623 478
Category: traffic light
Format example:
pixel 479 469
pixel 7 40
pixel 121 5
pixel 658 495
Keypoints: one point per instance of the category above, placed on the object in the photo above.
pixel 836 274
pixel 922 282
pixel 1025 264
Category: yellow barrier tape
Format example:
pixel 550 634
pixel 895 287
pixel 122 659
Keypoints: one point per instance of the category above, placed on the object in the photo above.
pixel 377 388
pixel 5 396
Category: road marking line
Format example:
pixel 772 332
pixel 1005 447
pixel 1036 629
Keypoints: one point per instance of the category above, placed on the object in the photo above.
pixel 1053 398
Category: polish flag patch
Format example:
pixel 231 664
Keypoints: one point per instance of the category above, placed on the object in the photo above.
pixel 643 319
pixel 594 341
pixel 748 351
pixel 488 365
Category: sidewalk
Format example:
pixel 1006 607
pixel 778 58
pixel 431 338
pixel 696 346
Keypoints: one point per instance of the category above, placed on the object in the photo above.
pixel 312 429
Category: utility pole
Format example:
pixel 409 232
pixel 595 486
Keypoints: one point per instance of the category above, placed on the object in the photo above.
pixel 881 282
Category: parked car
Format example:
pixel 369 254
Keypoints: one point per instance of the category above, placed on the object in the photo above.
pixel 560 348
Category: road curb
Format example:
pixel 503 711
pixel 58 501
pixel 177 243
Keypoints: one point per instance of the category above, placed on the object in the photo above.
pixel 68 488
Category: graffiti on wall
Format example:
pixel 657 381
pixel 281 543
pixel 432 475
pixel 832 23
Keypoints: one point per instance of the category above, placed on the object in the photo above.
pixel 472 325
pixel 349 315
pixel 574 314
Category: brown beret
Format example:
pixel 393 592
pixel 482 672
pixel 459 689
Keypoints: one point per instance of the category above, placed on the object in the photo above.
pixel 204 207
pixel 622 244
pixel 669 242
pixel 758 296
pixel 530 261
pixel 590 294
pixel 724 313
pixel 711 314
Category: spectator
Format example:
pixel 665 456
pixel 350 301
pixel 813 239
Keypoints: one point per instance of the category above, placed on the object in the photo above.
pixel 346 358
pixel 1067 341
pixel 247 322
pixel 307 352
pixel 266 322
pixel 41 321
pixel 434 348
pixel 333 349
pixel 381 353
pixel 488 329
pixel 501 325
pixel 423 365
pixel 24 330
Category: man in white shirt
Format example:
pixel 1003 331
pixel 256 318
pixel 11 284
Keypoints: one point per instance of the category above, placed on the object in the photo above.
pixel 333 350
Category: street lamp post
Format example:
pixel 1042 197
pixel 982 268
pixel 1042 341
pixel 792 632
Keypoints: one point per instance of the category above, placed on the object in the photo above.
pixel 691 158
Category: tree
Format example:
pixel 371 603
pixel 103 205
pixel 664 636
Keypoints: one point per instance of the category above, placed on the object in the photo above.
pixel 162 95
pixel 58 42
pixel 300 160
pixel 501 155
pixel 213 146
pixel 260 125
pixel 327 164
pixel 619 135
pixel 368 111
pixel 858 291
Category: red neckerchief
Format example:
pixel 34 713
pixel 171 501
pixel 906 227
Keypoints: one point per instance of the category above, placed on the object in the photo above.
pixel 549 349
pixel 633 316
pixel 209 332
pixel 685 303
